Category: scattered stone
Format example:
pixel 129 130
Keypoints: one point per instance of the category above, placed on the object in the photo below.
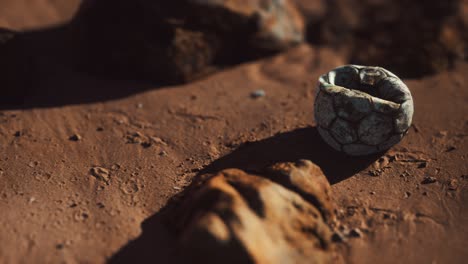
pixel 257 94
pixel 355 232
pixel 33 164
pixel 338 237
pixel 428 180
pixel 139 105
pixel 135 138
pixel 235 217
pixel 442 133
pixel 18 134
pixel 75 137
pixel 372 193
pixel 146 144
pixel 163 153
pixel 407 194
pixel 450 149
pixel 115 167
pixel 422 165
pixel 424 193
pixel 99 129
pixel 101 174
pixel 32 200
pixel 158 141
pixel 60 246
pixel 453 184
pixel 405 175
pixel 375 173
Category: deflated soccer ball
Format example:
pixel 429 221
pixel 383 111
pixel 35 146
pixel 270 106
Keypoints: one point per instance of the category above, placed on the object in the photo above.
pixel 362 110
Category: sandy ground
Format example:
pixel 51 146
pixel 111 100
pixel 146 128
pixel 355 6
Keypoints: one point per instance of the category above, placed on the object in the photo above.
pixel 149 142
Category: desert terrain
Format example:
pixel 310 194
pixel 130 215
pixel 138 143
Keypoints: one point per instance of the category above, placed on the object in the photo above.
pixel 93 168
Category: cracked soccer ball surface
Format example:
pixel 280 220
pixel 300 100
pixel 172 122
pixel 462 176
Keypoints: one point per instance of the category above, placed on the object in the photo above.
pixel 362 110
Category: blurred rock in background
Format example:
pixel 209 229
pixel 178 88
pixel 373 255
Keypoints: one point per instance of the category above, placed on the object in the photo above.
pixel 412 38
pixel 173 42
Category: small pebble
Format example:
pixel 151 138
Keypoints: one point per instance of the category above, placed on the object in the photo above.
pixel 146 144
pixel 338 237
pixel 429 179
pixel 453 184
pixel 450 148
pixel 139 105
pixel 407 194
pixel 158 140
pixel 355 232
pixel 75 137
pixel 442 133
pixel 257 94
pixel 422 165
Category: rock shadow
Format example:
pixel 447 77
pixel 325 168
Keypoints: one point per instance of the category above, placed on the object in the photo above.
pixel 112 49
pixel 158 241
pixel 302 143
pixel 40 69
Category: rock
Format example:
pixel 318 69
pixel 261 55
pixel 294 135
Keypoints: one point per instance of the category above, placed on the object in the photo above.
pixel 453 184
pixel 137 40
pixel 434 33
pixel 268 24
pixel 257 94
pixel 75 137
pixel 306 179
pixel 177 41
pixel 355 232
pixel 338 237
pixel 429 179
pixel 236 217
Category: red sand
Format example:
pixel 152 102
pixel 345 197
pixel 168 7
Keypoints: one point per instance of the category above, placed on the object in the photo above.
pixel 55 210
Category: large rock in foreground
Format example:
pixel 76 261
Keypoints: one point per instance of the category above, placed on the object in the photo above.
pixel 236 217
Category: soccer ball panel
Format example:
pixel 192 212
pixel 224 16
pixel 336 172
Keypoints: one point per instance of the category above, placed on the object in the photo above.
pixel 328 138
pixel 343 131
pixel 375 128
